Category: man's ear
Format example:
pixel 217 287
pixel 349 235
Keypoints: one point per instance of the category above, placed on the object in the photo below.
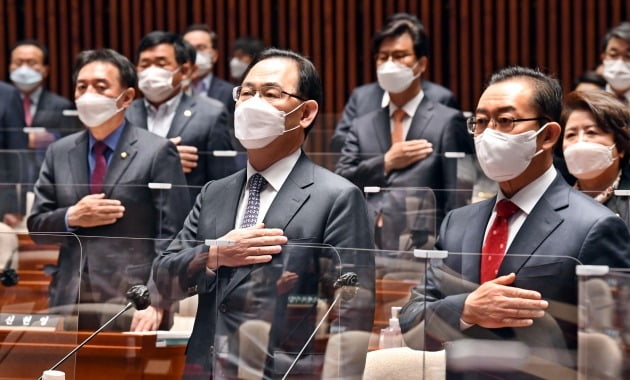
pixel 309 112
pixel 45 71
pixel 423 63
pixel 551 135
pixel 128 96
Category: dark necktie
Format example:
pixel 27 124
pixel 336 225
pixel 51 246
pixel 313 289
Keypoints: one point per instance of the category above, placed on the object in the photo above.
pixel 255 184
pixel 26 105
pixel 100 167
pixel 493 249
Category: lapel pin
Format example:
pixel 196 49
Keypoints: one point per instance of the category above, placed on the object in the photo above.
pixel 188 113
pixel 123 155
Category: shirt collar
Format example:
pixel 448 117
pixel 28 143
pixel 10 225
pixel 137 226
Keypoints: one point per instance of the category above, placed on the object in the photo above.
pixel 111 140
pixel 527 197
pixel 277 173
pixel 167 107
pixel 410 107
pixel 34 96
pixel 627 94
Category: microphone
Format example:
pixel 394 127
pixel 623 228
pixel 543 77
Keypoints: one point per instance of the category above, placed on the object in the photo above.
pixel 138 297
pixel 9 276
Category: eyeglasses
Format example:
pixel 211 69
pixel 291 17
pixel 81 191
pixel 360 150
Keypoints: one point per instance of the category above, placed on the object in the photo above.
pixel 397 56
pixel 272 94
pixel 477 124
pixel 615 55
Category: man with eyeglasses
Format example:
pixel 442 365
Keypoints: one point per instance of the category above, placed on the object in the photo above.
pixel 510 270
pixel 280 226
pixel 403 144
pixel 616 61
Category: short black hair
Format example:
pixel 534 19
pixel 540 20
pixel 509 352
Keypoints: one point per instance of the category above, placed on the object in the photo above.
pixel 204 28
pixel 399 24
pixel 249 45
pixel 547 90
pixel 309 84
pixel 159 37
pixel 191 52
pixel 35 43
pixel 126 70
pixel 621 31
pixel 590 77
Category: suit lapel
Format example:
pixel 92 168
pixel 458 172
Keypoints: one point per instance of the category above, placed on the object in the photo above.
pixel 78 164
pixel 137 114
pixel 42 106
pixel 381 129
pixel 542 221
pixel 183 114
pixel 472 241
pixel 421 119
pixel 122 157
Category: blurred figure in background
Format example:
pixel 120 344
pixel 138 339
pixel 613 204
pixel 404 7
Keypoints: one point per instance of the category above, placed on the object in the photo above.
pixel 616 61
pixel 244 51
pixel 589 81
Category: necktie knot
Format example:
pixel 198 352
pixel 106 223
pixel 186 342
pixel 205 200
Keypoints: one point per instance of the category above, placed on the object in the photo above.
pixel 256 183
pixel 399 115
pixel 505 208
pixel 99 148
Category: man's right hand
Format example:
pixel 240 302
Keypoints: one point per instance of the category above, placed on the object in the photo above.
pixel 405 153
pixel 494 304
pixel 253 245
pixel 94 210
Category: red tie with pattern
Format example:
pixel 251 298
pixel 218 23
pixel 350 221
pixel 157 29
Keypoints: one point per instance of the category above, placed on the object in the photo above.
pixel 26 105
pixel 493 249
pixel 100 167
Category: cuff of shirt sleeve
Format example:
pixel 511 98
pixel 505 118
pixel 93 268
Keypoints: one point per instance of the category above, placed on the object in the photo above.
pixel 65 219
pixel 464 325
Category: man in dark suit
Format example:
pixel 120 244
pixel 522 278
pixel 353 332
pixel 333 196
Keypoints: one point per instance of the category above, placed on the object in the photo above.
pixel 204 82
pixel 403 144
pixel 275 243
pixel 510 269
pixel 95 185
pixel 371 97
pixel 197 126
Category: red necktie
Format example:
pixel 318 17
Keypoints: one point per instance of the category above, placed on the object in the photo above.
pixel 398 132
pixel 493 249
pixel 100 167
pixel 26 104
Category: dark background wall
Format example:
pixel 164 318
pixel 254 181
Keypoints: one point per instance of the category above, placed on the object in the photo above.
pixel 470 38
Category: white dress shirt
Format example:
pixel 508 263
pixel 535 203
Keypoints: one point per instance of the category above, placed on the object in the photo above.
pixel 275 175
pixel 627 94
pixel 410 109
pixel 159 119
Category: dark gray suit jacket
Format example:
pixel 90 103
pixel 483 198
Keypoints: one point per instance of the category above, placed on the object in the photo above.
pixel 564 229
pixel 367 98
pixel 313 207
pixel 222 91
pixel 49 114
pixel 12 143
pixel 113 259
pixel 201 122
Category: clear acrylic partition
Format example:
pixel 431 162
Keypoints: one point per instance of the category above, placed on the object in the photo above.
pixel 604 323
pixel 546 349
pixel 34 335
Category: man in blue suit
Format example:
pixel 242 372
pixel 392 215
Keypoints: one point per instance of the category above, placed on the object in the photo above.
pixel 510 270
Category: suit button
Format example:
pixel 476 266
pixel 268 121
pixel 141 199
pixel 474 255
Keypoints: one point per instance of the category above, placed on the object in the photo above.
pixel 211 350
pixel 223 308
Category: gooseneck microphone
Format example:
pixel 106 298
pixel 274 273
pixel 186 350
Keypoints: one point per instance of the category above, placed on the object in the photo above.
pixel 138 297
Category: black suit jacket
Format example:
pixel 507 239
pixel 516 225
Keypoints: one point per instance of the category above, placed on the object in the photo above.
pixel 119 255
pixel 13 142
pixel 564 229
pixel 202 123
pixel 324 217
pixel 222 91
pixel 49 114
pixel 367 98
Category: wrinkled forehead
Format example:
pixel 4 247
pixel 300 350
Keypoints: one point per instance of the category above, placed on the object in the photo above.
pixel 278 71
pixel 510 95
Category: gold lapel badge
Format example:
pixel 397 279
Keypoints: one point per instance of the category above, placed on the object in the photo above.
pixel 188 113
pixel 123 155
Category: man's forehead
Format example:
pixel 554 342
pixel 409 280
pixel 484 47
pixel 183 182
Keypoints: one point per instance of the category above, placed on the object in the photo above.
pixel 515 93
pixel 282 71
pixel 98 70
pixel 28 49
pixel 161 50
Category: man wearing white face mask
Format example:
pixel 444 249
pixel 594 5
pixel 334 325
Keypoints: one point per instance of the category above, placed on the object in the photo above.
pixel 403 144
pixel 281 199
pixel 244 51
pixel 616 61
pixel 205 82
pixel 94 184
pixel 528 239
pixel 197 126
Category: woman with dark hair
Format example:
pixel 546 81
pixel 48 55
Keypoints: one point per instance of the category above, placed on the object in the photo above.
pixel 596 147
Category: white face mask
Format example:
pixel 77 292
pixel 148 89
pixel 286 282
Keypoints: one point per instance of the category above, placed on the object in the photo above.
pixel 237 68
pixel 394 77
pixel 95 109
pixel 26 78
pixel 617 74
pixel 156 83
pixel 504 156
pixel 204 63
pixel 587 160
pixel 257 123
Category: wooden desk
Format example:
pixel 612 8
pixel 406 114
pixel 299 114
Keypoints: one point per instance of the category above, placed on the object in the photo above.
pixel 26 354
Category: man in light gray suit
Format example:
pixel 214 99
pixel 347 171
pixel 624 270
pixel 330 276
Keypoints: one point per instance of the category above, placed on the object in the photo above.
pixel 95 184
pixel 510 270
pixel 302 220
pixel 198 126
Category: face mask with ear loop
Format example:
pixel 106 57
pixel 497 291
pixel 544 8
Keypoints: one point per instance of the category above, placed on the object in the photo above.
pixel 95 109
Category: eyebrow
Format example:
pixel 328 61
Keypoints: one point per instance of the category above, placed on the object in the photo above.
pixel 250 84
pixel 501 109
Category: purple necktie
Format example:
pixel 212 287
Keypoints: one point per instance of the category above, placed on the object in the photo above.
pixel 255 184
pixel 100 167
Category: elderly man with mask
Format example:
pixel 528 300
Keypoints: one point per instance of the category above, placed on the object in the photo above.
pixel 277 223
pixel 616 61
pixel 95 184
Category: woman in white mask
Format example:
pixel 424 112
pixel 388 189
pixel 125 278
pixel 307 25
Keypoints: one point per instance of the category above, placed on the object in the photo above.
pixel 596 142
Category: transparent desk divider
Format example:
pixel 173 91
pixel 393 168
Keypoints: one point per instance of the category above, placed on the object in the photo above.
pixel 432 321
pixel 35 334
pixel 604 323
